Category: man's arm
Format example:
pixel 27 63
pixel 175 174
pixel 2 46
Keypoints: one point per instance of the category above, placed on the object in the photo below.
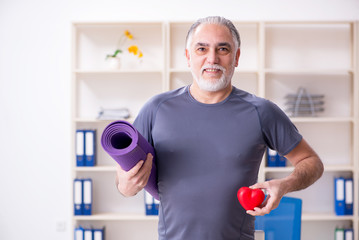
pixel 308 168
pixel 131 182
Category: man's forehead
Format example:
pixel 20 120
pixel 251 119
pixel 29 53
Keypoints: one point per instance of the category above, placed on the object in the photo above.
pixel 207 44
pixel 212 34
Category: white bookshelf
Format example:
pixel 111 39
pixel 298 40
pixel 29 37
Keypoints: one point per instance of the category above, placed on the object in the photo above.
pixel 276 59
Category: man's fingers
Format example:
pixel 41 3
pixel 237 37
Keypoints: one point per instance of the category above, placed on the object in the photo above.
pixel 133 171
pixel 148 163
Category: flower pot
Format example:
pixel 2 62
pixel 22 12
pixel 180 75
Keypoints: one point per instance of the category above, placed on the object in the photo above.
pixel 114 62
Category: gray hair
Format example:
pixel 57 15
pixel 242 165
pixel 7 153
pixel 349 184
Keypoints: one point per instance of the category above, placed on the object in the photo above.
pixel 215 20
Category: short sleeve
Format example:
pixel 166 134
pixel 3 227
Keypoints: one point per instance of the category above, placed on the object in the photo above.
pixel 144 121
pixel 279 132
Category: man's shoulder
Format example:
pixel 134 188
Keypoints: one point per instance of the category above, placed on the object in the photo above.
pixel 158 99
pixel 250 98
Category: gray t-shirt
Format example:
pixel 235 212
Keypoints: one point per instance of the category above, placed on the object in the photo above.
pixel 204 154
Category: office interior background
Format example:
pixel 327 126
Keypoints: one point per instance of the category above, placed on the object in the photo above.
pixel 35 92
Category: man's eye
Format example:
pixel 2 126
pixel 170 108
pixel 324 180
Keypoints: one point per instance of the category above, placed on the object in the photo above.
pixel 223 49
pixel 201 49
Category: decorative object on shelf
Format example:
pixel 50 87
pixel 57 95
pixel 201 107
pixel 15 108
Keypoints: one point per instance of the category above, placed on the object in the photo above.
pixel 127 147
pixel 113 114
pixel 114 59
pixel 304 104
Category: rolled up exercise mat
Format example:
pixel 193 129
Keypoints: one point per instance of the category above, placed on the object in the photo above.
pixel 127 147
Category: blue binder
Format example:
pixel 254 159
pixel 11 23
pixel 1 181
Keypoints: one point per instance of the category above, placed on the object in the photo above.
pixel 156 207
pixel 88 234
pixel 348 196
pixel 79 233
pixel 80 148
pixel 90 148
pixel 87 196
pixel 348 234
pixel 151 204
pixel 282 161
pixel 99 234
pixel 272 157
pixel 78 199
pixel 339 195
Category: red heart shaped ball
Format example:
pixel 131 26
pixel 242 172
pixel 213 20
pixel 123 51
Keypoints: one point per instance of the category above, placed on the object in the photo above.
pixel 250 198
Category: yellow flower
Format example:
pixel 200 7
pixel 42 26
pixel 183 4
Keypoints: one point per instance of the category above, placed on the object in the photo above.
pixel 128 35
pixel 133 49
pixel 140 54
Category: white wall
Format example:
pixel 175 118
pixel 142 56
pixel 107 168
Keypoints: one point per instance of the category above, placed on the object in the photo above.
pixel 35 50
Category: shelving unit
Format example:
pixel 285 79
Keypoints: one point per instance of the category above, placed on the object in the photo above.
pixel 276 59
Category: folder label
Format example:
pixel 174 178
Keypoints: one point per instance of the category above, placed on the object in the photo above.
pixel 340 189
pixel 78 204
pixel 87 196
pixel 349 191
pixel 79 233
pixel 80 148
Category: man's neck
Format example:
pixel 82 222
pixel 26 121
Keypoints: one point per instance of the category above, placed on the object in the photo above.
pixel 208 97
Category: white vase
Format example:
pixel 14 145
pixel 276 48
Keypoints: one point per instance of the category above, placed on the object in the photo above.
pixel 114 62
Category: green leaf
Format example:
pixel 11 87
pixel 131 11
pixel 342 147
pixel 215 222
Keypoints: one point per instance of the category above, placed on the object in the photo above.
pixel 116 52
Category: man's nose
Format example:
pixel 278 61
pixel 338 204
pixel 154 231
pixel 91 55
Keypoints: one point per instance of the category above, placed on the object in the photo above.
pixel 212 57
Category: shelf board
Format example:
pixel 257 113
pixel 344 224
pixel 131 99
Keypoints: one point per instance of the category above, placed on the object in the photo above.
pixel 141 217
pixel 322 119
pixel 93 120
pixel 289 169
pixel 115 217
pixel 333 168
pixel 325 217
pixel 114 71
pixel 310 72
pixel 96 169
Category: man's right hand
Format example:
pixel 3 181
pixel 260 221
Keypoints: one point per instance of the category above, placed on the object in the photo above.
pixel 131 182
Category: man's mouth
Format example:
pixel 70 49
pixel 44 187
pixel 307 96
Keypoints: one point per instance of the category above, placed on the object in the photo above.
pixel 212 70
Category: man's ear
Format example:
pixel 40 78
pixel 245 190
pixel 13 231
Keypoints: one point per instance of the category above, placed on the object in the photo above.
pixel 238 53
pixel 188 57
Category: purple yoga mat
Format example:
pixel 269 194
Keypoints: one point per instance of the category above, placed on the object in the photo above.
pixel 127 147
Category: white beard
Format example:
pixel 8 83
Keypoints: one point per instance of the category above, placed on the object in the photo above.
pixel 215 85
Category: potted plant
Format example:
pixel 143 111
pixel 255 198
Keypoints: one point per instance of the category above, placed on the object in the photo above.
pixel 114 59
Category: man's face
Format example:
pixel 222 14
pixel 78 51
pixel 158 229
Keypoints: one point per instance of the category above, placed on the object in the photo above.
pixel 212 56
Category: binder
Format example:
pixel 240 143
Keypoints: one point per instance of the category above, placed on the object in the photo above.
pixel 80 148
pixel 348 196
pixel 78 201
pixel 339 192
pixel 99 234
pixel 87 196
pixel 272 158
pixel 282 161
pixel 149 203
pixel 156 206
pixel 348 234
pixel 79 233
pixel 90 148
pixel 88 234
